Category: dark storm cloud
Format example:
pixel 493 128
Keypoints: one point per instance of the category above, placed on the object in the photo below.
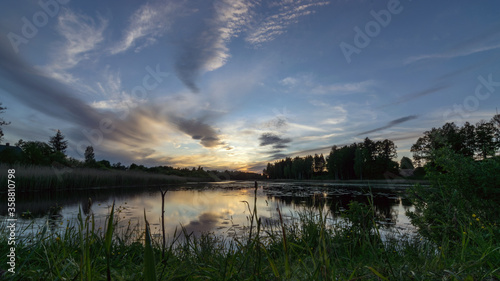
pixel 272 139
pixel 390 124
pixel 198 130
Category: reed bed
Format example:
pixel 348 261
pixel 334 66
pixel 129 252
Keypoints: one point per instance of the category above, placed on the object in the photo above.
pixel 30 178
pixel 308 248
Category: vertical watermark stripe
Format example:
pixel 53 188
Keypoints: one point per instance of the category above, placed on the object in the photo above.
pixel 11 220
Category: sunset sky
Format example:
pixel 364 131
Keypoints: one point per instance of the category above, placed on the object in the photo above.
pixel 235 84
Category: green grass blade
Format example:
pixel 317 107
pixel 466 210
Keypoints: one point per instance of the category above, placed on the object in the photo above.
pixel 149 258
pixel 109 230
pixel 108 239
pixel 378 273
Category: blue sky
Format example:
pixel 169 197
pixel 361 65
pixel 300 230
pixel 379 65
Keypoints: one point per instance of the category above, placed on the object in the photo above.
pixel 236 84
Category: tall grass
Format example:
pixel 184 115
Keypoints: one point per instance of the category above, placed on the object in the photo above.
pixel 29 178
pixel 310 247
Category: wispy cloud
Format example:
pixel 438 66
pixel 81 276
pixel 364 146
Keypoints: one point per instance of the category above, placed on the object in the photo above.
pixel 81 36
pixel 390 124
pixel 453 53
pixel 416 95
pixel 275 24
pixel 148 23
pixel 206 49
pixel 344 88
pixel 483 42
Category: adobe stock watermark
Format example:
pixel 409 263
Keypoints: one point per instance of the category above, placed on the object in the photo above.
pixel 372 29
pixel 29 29
pixel 484 88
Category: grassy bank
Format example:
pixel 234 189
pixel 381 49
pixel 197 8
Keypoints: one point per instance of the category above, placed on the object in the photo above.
pixel 308 248
pixel 30 178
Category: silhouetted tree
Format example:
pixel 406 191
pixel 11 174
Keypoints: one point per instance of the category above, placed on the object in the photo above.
pixel 104 164
pixel 480 140
pixel 486 133
pixel 119 166
pixel 406 163
pixel 58 143
pixel 35 152
pixel 89 155
pixel 319 163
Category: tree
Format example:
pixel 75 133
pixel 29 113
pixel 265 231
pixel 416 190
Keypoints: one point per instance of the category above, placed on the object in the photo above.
pixel 36 152
pixel 485 139
pixel 386 149
pixel 319 163
pixel 496 120
pixel 468 136
pixel 58 143
pixel 406 163
pixel 89 155
pixel 332 163
pixel 2 122
pixel 359 162
pixel 119 166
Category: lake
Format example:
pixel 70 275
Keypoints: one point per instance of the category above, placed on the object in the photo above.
pixel 220 208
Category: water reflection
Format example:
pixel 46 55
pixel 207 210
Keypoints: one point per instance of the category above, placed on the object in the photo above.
pixel 221 208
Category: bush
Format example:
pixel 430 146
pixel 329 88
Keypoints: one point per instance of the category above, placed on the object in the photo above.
pixel 464 193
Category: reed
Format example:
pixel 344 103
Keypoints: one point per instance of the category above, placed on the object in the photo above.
pixel 31 178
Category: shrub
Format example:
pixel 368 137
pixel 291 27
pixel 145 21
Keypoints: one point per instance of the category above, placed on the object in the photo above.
pixel 463 193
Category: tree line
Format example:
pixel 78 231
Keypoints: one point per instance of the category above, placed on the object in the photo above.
pixel 478 141
pixel 375 159
pixel 296 168
pixel 364 160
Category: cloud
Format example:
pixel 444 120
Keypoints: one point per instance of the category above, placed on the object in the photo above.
pixel 204 47
pixel 485 41
pixel 288 12
pixel 454 53
pixel 147 24
pixel 390 124
pixel 277 156
pixel 81 35
pixel 418 94
pixel 272 139
pixel 279 123
pixel 134 128
pixel 81 38
pixel 343 88
pixel 289 81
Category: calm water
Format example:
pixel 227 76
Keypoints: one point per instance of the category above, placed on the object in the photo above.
pixel 212 207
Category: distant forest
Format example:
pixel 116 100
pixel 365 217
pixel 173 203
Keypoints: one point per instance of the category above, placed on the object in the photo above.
pixel 375 159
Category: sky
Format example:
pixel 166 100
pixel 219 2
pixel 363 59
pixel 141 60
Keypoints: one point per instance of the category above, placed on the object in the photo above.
pixel 235 84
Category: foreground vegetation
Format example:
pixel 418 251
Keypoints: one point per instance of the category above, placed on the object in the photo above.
pixel 459 240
